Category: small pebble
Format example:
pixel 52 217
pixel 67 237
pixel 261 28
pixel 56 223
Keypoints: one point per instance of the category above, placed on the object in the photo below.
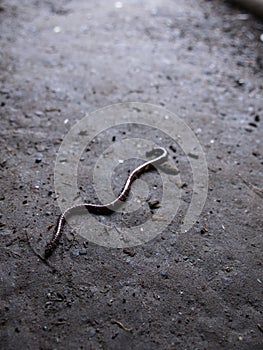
pixel 91 332
pixel 5 233
pixel 154 203
pixel 75 253
pixel 82 251
pixel 164 274
pixel 240 82
pixel 192 155
pixel 173 148
pixel 39 113
pixel 118 5
pixel 57 29
pixel 129 251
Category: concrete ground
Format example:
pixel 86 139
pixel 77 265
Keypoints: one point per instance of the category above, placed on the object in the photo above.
pixel 199 59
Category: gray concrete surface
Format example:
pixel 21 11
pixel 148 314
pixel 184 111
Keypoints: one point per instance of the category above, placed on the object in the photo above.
pixel 200 289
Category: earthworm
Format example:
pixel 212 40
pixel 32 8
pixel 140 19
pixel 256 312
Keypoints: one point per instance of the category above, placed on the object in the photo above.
pixel 104 208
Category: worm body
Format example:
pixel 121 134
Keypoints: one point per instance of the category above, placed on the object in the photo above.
pixel 104 208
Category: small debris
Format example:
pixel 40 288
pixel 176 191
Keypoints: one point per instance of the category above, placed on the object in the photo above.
pixel 75 252
pixel 129 251
pixel 173 148
pixel 5 233
pixel 154 203
pixel 91 332
pixel 164 274
pixel 82 251
pixel 260 327
pixel 255 189
pixel 57 29
pixel 254 125
pixel 256 154
pixel 55 296
pixel 14 254
pixel 39 113
pixel 248 129
pixel 83 133
pixel 156 296
pixel 121 325
pixel 192 155
pixel 58 323
pixel 158 217
pixel 240 82
pixel 105 290
pixel 3 163
pixel 203 230
pixel 52 109
pixel 118 5
pixel 204 287
pixel 110 302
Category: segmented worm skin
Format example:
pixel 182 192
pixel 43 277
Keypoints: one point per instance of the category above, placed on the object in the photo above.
pixel 103 208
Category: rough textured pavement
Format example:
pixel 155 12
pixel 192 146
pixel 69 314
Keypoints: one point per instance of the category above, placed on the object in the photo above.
pixel 199 59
